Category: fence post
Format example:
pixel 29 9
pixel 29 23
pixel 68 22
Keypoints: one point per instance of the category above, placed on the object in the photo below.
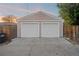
pixel 77 33
pixel 74 33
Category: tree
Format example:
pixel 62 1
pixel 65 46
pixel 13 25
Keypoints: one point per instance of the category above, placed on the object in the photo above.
pixel 9 18
pixel 69 12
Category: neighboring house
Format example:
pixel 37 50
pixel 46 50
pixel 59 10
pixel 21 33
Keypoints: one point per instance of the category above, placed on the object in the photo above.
pixel 13 21
pixel 40 24
pixel 1 18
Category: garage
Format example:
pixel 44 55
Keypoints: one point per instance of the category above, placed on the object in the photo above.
pixel 40 24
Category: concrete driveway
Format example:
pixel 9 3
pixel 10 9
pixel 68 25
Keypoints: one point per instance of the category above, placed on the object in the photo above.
pixel 39 47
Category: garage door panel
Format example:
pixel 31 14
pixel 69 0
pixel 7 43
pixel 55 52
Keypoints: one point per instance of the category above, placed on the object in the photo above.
pixel 49 30
pixel 30 30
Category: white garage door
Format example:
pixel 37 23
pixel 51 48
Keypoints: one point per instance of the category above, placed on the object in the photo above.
pixel 50 29
pixel 30 30
pixel 46 29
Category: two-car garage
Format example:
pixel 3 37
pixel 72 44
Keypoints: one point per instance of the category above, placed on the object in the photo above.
pixel 39 24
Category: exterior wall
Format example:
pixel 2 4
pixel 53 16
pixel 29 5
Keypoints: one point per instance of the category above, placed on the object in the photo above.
pixel 19 29
pixel 25 20
pixel 61 29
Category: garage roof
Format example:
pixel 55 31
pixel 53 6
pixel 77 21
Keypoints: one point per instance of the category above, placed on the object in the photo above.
pixel 39 15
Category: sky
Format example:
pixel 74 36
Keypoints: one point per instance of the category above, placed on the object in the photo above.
pixel 22 9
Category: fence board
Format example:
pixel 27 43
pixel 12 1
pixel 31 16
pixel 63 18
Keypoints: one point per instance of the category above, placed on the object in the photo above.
pixel 71 31
pixel 10 30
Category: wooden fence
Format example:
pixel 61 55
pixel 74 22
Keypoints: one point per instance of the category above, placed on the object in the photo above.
pixel 71 31
pixel 10 30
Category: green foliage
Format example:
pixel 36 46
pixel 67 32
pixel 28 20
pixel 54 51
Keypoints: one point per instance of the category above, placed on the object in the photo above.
pixel 69 12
